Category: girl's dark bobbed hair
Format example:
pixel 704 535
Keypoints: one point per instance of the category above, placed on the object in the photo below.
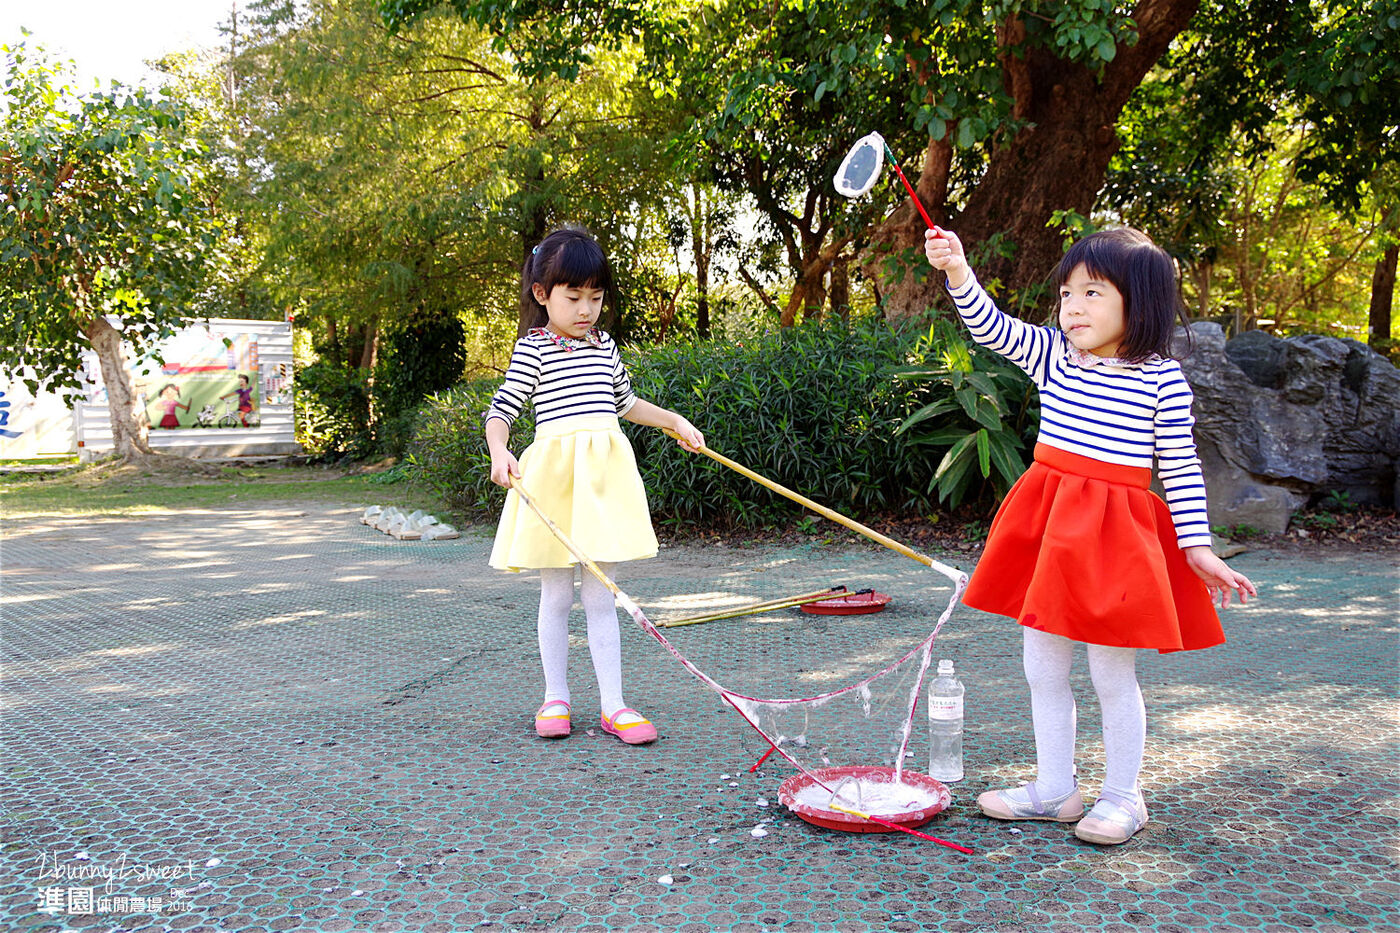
pixel 1145 276
pixel 570 257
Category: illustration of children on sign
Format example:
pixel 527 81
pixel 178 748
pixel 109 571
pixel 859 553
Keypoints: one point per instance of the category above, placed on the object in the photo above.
pixel 245 398
pixel 168 399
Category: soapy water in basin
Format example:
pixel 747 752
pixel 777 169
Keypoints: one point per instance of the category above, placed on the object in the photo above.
pixel 878 798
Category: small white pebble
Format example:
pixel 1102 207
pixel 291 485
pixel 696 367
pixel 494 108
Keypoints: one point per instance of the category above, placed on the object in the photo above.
pixel 758 832
pixel 724 777
pixel 761 802
pixel 82 857
pixel 356 893
pixel 733 783
pixel 711 841
pixel 682 864
pixel 213 862
pixel 665 879
pixel 1016 831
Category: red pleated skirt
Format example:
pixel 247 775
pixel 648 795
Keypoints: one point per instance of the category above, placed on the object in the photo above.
pixel 1082 548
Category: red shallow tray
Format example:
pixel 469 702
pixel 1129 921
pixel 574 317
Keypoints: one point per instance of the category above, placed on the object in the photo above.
pixel 855 604
pixel 835 819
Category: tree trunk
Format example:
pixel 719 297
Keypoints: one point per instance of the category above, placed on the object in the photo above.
pixel 128 430
pixel 1382 299
pixel 1056 162
pixel 535 222
pixel 702 246
pixel 369 354
pixel 839 294
pixel 702 301
pixel 757 288
pixel 808 293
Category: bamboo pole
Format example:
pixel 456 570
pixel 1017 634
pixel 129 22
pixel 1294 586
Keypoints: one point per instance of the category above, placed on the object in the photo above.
pixel 771 605
pixel 825 512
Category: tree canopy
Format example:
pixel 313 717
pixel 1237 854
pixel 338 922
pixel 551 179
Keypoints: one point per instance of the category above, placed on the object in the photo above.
pixel 388 162
pixel 105 216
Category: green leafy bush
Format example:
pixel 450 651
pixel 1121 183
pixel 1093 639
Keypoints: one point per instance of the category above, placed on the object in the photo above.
pixel 982 414
pixel 341 412
pixel 416 359
pixel 332 410
pixel 448 452
pixel 816 409
pixel 812 408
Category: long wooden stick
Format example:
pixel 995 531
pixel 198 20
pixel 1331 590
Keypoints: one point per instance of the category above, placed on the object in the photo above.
pixel 771 605
pixel 825 512
pixel 767 605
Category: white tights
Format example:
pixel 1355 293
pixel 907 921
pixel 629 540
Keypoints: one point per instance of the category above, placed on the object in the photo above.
pixel 1047 662
pixel 604 640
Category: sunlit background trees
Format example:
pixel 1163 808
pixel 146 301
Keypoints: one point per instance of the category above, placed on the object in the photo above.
pixel 378 170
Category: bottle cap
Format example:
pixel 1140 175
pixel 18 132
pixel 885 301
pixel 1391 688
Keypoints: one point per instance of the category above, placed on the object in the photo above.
pixel 945 666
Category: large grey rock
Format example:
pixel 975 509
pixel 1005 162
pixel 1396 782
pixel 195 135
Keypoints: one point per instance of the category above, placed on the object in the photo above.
pixel 1279 421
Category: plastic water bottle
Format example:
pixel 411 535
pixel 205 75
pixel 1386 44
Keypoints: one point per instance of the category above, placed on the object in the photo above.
pixel 945 725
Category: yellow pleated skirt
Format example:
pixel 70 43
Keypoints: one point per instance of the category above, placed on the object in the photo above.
pixel 582 473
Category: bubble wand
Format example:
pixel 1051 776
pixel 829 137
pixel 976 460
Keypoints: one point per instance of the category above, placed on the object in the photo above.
pixel 861 169
pixel 635 611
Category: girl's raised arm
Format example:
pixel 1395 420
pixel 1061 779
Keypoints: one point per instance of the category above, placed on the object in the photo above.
pixel 1023 344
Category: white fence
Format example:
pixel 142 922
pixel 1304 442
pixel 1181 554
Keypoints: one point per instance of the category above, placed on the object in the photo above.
pixel 42 426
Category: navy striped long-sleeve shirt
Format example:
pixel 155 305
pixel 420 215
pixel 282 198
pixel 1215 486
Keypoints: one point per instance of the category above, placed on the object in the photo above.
pixel 1124 413
pixel 583 380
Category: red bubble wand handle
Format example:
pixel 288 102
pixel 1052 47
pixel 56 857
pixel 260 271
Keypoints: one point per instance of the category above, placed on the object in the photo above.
pixel 917 203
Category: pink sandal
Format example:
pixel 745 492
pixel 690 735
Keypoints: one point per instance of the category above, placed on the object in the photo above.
pixel 633 733
pixel 555 726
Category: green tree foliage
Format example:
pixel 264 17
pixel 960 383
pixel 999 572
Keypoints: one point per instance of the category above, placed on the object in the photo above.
pixel 105 216
pixel 399 179
pixel 766 115
pixel 1021 93
pixel 1263 154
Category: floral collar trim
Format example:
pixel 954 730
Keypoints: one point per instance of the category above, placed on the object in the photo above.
pixel 569 344
pixel 1087 360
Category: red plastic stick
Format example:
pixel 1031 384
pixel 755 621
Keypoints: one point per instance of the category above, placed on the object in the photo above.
pixel 915 832
pixel 903 829
pixel 771 750
pixel 917 203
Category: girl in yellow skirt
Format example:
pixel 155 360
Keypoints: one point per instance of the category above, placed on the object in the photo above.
pixel 580 469
pixel 1080 550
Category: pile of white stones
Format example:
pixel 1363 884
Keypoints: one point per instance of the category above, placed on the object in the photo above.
pixel 413 526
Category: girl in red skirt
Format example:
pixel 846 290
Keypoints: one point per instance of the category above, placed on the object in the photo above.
pixel 1080 550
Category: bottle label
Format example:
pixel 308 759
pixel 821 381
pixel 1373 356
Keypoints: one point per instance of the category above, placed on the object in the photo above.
pixel 945 708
